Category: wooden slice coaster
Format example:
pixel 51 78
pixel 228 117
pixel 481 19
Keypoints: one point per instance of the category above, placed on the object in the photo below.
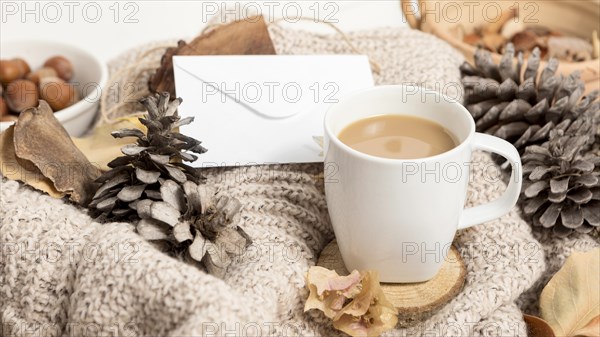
pixel 415 301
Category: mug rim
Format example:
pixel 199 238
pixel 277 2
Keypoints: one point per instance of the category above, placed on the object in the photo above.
pixel 334 138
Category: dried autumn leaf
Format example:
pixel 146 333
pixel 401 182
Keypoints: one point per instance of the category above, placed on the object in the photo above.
pixel 39 138
pixel 570 302
pixel 356 303
pixel 12 168
pixel 537 327
pixel 329 291
pixel 369 313
pixel 244 37
pixel 101 147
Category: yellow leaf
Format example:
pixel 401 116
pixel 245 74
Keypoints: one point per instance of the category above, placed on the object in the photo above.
pixel 101 147
pixel 570 302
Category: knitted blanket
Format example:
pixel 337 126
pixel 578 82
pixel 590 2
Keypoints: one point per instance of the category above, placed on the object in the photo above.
pixel 62 274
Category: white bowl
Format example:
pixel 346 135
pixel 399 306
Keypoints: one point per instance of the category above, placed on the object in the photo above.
pixel 89 77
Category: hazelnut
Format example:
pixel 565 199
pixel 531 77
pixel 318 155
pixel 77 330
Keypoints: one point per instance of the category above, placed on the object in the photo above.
pixel 12 70
pixel 23 64
pixel 21 94
pixel 3 107
pixel 40 74
pixel 58 93
pixel 63 67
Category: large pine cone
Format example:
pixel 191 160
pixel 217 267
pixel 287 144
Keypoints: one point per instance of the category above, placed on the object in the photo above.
pixel 519 104
pixel 562 190
pixel 150 183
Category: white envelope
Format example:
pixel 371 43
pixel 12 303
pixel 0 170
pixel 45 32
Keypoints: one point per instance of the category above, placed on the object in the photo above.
pixel 263 109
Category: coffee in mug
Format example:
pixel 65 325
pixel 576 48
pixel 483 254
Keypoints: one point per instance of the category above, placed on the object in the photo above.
pixel 398 137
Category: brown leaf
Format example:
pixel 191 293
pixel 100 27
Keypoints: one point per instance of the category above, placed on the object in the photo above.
pixel 245 37
pixel 41 139
pixel 570 302
pixel 11 168
pixel 537 327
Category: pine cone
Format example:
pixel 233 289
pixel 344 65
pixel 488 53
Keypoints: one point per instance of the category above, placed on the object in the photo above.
pixel 175 209
pixel 561 189
pixel 523 109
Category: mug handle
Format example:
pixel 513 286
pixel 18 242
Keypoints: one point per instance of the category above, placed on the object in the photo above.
pixel 497 208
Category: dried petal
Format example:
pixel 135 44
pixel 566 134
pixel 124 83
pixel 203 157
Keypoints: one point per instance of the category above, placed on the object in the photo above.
pixel 329 291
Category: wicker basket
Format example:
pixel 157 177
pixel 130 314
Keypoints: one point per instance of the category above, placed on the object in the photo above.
pixel 442 18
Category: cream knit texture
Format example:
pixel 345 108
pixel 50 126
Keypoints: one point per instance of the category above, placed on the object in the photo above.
pixel 62 274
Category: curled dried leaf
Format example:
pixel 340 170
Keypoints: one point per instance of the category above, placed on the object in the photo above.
pixel 12 168
pixel 329 291
pixel 356 302
pixel 39 138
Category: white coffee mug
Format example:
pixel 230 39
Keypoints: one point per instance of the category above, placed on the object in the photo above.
pixel 399 217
